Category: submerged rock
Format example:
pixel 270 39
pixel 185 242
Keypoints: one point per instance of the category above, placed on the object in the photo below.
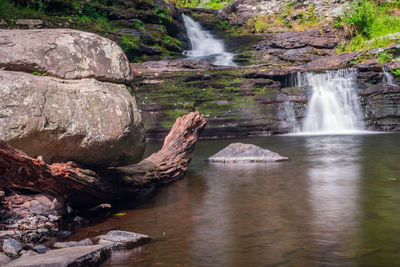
pixel 239 153
pixel 122 239
pixel 76 256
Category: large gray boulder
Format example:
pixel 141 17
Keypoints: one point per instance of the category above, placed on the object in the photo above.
pixel 245 153
pixel 85 120
pixel 64 53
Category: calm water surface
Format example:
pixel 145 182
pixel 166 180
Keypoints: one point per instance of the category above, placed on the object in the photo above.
pixel 335 203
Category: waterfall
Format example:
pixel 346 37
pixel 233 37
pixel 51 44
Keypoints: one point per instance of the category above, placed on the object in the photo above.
pixel 205 46
pixel 387 78
pixel 334 106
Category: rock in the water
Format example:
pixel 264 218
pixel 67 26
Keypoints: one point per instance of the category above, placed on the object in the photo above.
pixel 76 256
pixel 122 239
pixel 86 120
pixel 65 53
pixel 69 244
pixel 238 152
pixel 11 247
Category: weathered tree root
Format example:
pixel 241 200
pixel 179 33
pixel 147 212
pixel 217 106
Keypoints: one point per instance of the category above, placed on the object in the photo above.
pixel 86 188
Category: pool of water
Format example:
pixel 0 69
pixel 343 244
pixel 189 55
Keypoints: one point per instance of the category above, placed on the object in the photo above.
pixel 335 203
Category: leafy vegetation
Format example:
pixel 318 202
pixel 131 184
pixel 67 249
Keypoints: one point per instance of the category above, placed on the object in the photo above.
pixel 396 72
pixel 304 20
pixel 368 25
pixel 215 4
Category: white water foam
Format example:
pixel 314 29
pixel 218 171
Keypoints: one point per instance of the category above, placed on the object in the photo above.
pixel 334 106
pixel 388 78
pixel 205 46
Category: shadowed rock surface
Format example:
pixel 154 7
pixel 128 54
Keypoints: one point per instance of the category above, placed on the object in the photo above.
pixel 245 153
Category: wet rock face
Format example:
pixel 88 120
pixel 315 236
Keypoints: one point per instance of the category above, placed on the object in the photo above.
pixel 245 153
pixel 64 53
pixel 83 113
pixel 380 103
pixel 239 102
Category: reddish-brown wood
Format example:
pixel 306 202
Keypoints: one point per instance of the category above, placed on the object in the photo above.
pixel 86 187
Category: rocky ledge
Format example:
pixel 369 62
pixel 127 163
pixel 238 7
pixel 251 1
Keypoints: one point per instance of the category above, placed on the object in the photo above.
pixel 74 253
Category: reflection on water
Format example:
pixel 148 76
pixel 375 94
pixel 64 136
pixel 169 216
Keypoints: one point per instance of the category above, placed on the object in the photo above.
pixel 335 203
pixel 334 177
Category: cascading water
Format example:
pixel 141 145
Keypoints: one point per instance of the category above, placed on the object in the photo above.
pixel 387 78
pixel 205 46
pixel 334 106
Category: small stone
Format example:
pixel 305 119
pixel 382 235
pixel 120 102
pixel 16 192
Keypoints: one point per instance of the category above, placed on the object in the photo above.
pixel 40 249
pixel 42 205
pixel 84 242
pixel 122 239
pixel 12 247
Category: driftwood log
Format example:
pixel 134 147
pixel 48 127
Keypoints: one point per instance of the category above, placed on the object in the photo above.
pixel 85 188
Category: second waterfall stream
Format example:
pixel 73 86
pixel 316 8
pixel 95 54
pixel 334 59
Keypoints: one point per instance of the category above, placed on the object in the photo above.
pixel 205 46
pixel 334 106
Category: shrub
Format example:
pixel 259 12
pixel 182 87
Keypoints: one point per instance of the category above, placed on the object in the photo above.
pixel 360 17
pixel 396 72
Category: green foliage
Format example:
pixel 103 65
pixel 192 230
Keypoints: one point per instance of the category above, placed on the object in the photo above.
pixel 215 4
pixel 368 23
pixel 129 42
pixel 360 17
pixel 40 73
pixel 385 57
pixel 396 72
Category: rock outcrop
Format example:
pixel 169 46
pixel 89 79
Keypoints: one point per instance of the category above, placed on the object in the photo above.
pixel 245 153
pixel 85 116
pixel 63 53
pixel 240 11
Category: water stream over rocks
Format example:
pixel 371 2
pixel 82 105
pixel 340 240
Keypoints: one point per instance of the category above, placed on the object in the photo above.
pixel 205 46
pixel 334 106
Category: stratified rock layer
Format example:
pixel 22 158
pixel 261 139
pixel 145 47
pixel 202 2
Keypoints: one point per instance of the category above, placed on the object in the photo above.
pixel 244 153
pixel 86 120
